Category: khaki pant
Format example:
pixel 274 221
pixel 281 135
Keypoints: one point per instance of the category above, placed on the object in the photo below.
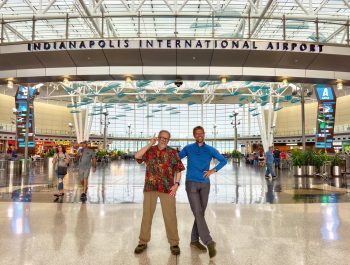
pixel 168 204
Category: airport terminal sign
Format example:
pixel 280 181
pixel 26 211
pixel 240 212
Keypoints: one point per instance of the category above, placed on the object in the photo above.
pixel 176 44
pixel 325 116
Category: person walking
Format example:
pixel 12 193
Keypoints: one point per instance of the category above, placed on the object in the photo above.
pixel 60 162
pixel 163 175
pixel 277 158
pixel 87 158
pixel 269 164
pixel 199 155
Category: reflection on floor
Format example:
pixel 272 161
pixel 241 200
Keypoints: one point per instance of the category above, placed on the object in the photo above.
pixel 62 233
pixel 122 182
pixel 253 220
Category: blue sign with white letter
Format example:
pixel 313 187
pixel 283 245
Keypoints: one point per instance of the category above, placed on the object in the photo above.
pixel 324 93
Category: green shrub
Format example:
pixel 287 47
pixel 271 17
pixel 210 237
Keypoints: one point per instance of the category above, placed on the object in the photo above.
pixel 236 154
pixel 337 161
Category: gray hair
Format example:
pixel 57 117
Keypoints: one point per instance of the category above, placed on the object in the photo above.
pixel 165 131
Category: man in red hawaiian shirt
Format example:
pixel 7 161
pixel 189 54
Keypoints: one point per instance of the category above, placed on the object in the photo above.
pixel 162 164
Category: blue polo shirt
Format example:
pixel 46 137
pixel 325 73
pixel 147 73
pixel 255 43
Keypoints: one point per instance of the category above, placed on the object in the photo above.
pixel 198 161
pixel 269 157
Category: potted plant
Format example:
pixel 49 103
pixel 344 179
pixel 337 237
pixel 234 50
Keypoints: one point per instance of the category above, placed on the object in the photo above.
pixel 299 162
pixel 337 162
pixel 101 154
pixel 119 154
pixel 310 158
pixel 319 158
pixel 236 155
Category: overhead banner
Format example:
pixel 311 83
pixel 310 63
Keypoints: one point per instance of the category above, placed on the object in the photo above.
pixel 201 44
pixel 325 116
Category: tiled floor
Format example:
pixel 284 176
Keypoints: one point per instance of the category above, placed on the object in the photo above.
pixel 122 182
pixel 254 221
pixel 288 234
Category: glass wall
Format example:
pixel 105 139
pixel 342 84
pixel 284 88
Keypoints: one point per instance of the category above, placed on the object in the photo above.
pixel 135 122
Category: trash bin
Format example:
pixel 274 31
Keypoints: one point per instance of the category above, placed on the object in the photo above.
pixel 14 167
pixel 3 164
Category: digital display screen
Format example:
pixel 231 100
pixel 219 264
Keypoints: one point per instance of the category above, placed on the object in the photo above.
pixel 325 116
pixel 25 108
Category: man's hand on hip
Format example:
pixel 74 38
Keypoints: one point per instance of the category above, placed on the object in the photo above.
pixel 209 172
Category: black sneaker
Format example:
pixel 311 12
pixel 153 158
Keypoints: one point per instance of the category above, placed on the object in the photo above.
pixel 140 248
pixel 83 196
pixel 211 249
pixel 274 177
pixel 267 177
pixel 199 246
pixel 175 250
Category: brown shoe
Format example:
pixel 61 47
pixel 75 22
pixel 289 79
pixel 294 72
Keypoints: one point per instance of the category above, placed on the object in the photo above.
pixel 211 249
pixel 175 250
pixel 140 248
pixel 199 246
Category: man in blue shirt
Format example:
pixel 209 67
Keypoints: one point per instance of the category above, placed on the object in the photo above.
pixel 199 156
pixel 269 163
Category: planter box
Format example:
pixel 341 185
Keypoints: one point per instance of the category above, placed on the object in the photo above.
pixel 336 171
pixel 299 171
pixel 236 160
pixel 310 170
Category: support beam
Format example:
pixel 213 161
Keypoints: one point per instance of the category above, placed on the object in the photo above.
pixel 48 6
pixel 108 21
pixel 346 3
pixel 253 6
pixel 210 4
pixel 140 5
pixel 30 6
pixel 14 31
pixel 302 7
pixel 335 33
pixel 88 13
pixel 182 6
pixel 321 6
pixel 2 3
pixel 126 5
pixel 226 5
pixel 266 8
pixel 169 6
pixel 98 4
pixel 340 18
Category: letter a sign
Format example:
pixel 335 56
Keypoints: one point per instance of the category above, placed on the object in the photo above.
pixel 325 93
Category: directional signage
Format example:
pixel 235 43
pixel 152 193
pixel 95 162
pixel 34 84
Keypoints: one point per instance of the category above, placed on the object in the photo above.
pixel 25 108
pixel 325 116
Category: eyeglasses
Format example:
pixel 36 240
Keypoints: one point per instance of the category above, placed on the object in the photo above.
pixel 163 138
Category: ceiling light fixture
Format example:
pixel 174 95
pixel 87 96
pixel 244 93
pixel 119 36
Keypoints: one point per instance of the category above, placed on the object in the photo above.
pixel 285 81
pixel 128 79
pixel 65 80
pixel 339 84
pixel 223 79
pixel 10 83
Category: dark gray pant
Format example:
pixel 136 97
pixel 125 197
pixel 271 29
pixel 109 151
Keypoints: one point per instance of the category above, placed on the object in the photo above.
pixel 198 194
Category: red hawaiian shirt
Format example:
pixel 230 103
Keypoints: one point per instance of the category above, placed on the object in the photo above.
pixel 161 166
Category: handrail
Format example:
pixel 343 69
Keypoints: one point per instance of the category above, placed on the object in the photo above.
pixel 288 24
pixel 343 128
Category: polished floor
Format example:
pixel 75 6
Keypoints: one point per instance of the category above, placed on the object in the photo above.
pixel 287 221
pixel 288 234
pixel 122 182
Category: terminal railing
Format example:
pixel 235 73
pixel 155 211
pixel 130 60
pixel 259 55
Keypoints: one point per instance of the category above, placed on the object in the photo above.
pixel 332 30
pixel 343 128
